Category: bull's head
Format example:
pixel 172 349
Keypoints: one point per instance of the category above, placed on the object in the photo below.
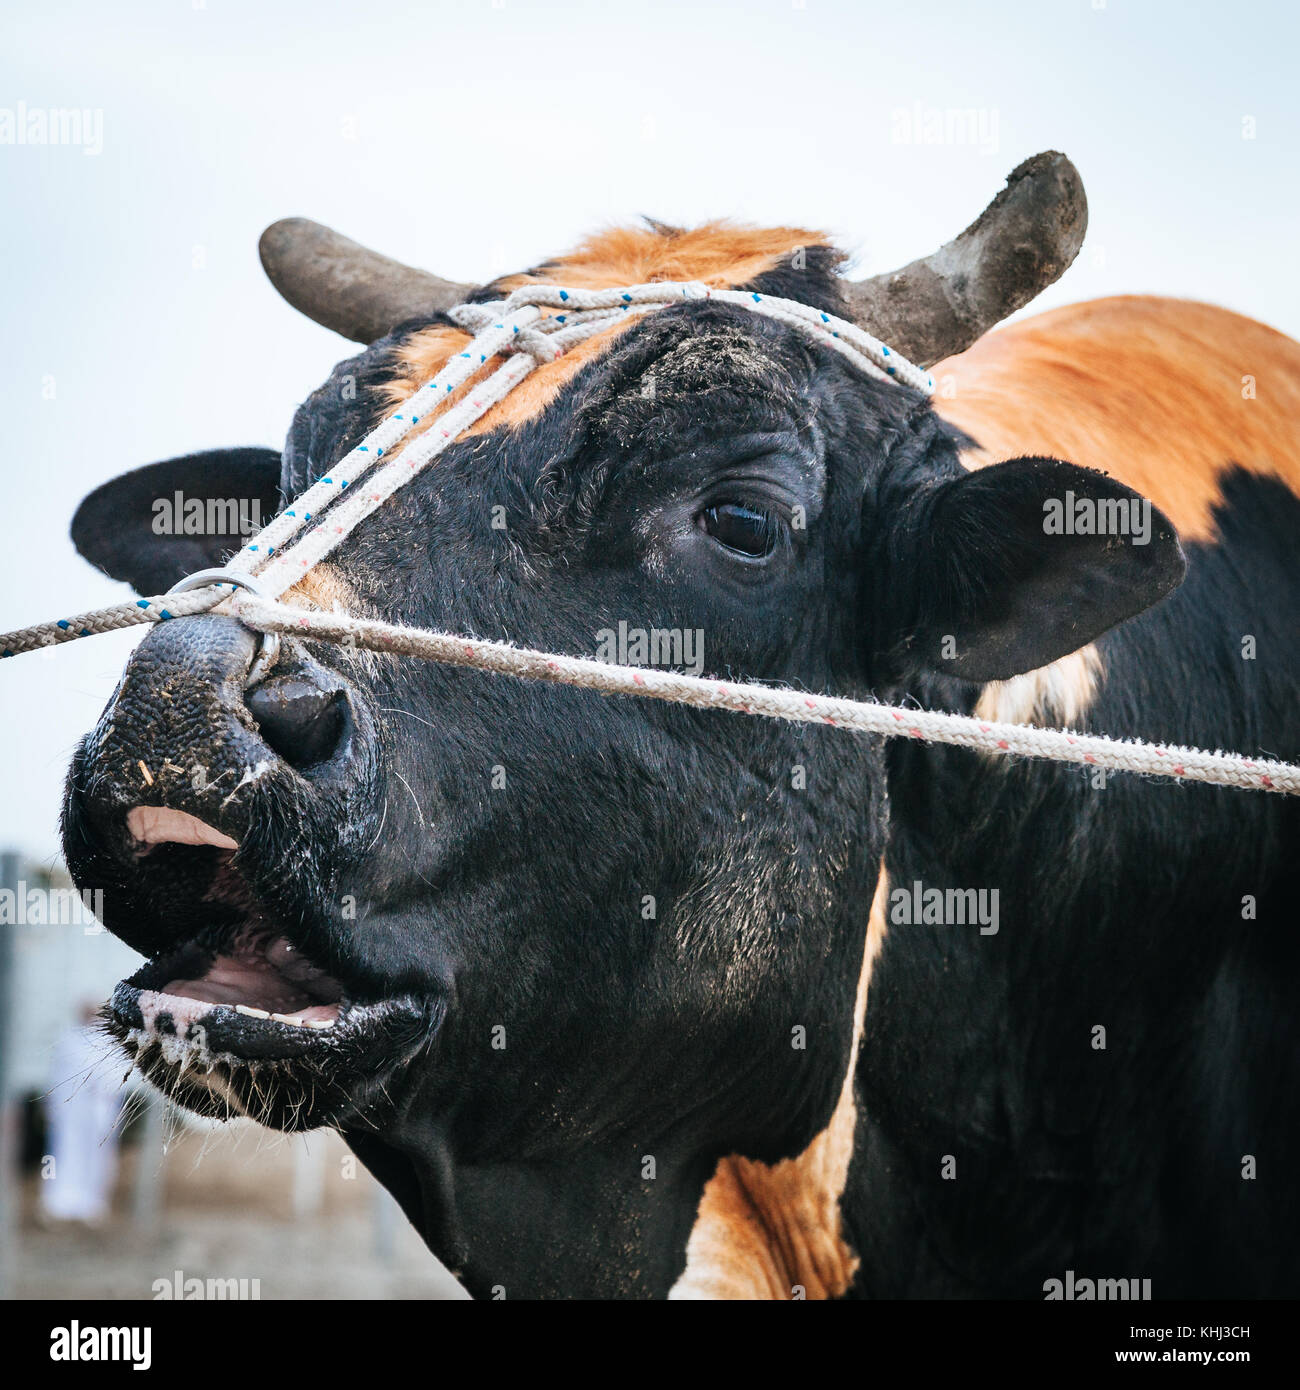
pixel 543 956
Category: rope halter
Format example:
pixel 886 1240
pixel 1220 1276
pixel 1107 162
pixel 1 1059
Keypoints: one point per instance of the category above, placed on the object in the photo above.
pixel 517 330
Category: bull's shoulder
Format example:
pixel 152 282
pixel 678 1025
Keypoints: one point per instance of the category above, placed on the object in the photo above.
pixel 1163 394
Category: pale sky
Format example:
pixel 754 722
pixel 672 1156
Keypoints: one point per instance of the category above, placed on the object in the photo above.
pixel 476 137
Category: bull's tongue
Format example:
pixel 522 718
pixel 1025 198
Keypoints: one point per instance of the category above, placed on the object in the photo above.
pixel 265 978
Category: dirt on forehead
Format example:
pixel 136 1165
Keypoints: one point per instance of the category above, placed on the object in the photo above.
pixel 697 362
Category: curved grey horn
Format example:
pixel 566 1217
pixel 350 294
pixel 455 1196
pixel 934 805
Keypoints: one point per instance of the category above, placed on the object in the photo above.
pixel 1023 241
pixel 344 286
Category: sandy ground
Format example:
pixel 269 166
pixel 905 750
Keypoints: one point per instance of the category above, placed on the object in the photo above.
pixel 226 1210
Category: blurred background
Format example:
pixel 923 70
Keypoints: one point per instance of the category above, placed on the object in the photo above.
pixel 473 137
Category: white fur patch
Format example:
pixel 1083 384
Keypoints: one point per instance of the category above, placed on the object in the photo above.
pixel 1056 696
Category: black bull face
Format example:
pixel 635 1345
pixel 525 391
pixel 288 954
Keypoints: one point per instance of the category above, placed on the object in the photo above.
pixel 515 941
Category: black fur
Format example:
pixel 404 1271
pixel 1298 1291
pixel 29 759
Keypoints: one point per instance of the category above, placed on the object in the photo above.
pixel 1121 906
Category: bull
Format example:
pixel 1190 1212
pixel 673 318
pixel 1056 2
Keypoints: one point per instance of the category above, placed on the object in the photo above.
pixel 607 992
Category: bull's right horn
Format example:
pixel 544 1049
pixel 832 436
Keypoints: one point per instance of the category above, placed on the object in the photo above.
pixel 1023 241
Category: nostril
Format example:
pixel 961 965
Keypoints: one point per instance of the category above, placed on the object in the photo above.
pixel 302 722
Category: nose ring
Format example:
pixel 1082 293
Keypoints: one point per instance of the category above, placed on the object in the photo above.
pixel 268 648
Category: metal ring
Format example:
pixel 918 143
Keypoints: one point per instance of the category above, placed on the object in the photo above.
pixel 200 579
pixel 268 648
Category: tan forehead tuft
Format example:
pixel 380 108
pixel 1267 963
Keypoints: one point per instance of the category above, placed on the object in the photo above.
pixel 721 254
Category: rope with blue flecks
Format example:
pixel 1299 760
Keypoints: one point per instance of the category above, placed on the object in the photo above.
pixel 517 330
pixel 514 328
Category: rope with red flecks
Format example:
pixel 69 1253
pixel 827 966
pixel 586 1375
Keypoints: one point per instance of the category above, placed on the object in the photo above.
pixel 890 721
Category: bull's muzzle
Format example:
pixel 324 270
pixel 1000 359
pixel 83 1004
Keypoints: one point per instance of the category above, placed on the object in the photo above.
pixel 187 732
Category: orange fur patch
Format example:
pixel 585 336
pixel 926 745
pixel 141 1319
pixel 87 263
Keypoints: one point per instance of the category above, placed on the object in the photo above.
pixel 721 254
pixel 323 589
pixel 764 1230
pixel 1149 390
pixel 424 354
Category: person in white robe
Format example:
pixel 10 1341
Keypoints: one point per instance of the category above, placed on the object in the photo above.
pixel 81 1110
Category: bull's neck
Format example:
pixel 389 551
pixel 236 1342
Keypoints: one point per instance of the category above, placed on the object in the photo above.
pixel 565 1183
pixel 638 1209
pixel 604 1222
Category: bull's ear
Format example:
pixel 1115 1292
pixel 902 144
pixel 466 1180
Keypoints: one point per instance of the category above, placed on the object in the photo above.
pixel 157 524
pixel 1008 568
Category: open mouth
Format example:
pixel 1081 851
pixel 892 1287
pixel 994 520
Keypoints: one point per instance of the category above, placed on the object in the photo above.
pixel 238 1020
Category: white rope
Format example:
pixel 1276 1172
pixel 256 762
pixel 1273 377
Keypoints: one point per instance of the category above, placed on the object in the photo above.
pixel 932 726
pixel 516 329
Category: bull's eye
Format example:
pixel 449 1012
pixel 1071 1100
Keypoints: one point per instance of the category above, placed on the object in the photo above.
pixel 748 531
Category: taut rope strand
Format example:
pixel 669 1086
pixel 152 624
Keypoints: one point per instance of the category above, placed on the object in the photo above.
pixel 516 329
pixel 933 726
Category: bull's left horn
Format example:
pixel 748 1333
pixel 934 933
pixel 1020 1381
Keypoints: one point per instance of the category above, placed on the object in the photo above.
pixel 1023 241
pixel 345 286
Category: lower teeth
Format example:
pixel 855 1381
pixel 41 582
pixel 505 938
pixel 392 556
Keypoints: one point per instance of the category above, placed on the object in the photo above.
pixel 249 1012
